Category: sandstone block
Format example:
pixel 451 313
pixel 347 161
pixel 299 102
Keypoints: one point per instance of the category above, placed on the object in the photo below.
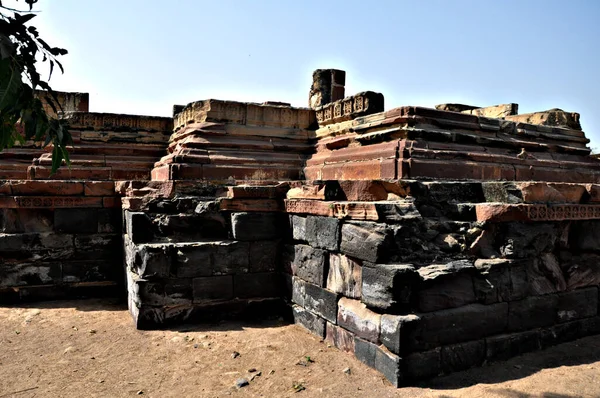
pixel 213 288
pixel 388 287
pixel 339 338
pixel 532 312
pixel 344 276
pixel 255 226
pixel 366 241
pixel 355 317
pixel 310 264
pixel 311 322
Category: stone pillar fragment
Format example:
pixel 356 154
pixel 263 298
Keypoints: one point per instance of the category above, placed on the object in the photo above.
pixel 327 86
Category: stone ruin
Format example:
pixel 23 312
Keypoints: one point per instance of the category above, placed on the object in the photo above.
pixel 423 241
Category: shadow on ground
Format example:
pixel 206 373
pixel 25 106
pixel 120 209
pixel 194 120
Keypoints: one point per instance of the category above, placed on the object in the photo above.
pixel 579 352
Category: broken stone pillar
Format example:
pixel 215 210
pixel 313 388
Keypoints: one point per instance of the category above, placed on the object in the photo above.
pixel 328 86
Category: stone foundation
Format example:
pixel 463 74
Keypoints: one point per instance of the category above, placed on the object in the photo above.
pixel 423 241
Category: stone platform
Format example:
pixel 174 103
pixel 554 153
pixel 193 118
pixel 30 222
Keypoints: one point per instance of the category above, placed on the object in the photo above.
pixel 423 241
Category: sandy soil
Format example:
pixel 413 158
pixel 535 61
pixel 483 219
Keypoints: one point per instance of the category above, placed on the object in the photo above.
pixel 90 349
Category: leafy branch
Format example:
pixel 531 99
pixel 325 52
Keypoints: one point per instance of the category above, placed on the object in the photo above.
pixel 22 113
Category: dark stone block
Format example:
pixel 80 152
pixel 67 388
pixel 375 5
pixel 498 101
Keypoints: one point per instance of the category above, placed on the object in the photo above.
pixel 288 286
pixel 312 322
pixel 445 286
pixel 190 260
pixel 585 235
pixel 423 365
pixel 310 264
pixel 315 299
pixel 38 273
pixel 288 252
pixel 462 356
pixel 453 192
pixel 89 271
pixel 561 333
pixel 256 226
pixel 230 257
pixel 520 240
pixel 500 280
pixel 265 284
pixel 532 312
pixel 138 227
pixel 76 220
pixel 213 288
pixel 388 287
pixel 109 220
pixel 323 232
pixel 365 351
pixel 156 261
pixel 26 220
pixel 366 241
pixel 298 227
pixel 394 329
pixel 99 246
pixel 506 346
pixel 581 303
pixel 193 226
pixel 389 364
pixel 456 325
pixel 264 256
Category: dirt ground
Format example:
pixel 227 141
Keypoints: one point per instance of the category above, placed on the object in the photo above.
pixel 91 349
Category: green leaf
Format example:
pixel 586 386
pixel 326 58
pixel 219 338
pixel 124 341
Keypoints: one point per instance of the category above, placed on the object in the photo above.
pixel 10 84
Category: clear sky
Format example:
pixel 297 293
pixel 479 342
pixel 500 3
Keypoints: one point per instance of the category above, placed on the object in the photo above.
pixel 143 56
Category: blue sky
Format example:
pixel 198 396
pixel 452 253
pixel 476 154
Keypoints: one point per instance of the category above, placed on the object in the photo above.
pixel 143 56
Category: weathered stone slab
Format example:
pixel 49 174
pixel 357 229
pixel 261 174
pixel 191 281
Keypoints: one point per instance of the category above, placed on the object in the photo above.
pixel 344 276
pixel 552 117
pixel 255 226
pixel 311 322
pixel 584 235
pixel 298 227
pixel 366 241
pixel 157 261
pixel 388 287
pixel 138 227
pixel 230 257
pixel 355 317
pixel 310 264
pixel 500 280
pixel 365 351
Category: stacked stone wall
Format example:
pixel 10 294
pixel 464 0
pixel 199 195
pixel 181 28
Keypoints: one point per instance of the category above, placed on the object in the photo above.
pixel 59 239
